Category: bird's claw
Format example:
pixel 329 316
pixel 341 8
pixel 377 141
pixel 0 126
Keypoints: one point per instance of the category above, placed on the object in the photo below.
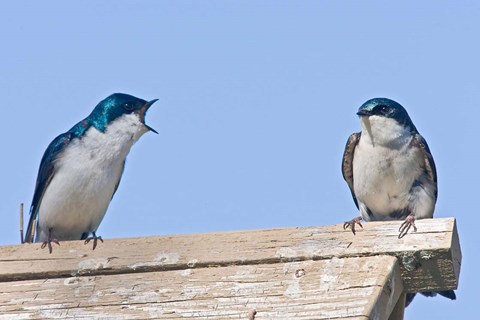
pixel 351 224
pixel 95 239
pixel 49 244
pixel 406 225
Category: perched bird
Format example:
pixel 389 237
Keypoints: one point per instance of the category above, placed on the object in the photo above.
pixel 81 169
pixel 390 170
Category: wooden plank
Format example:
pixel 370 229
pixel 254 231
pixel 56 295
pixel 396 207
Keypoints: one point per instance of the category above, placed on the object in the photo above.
pixel 429 259
pixel 399 310
pixel 348 288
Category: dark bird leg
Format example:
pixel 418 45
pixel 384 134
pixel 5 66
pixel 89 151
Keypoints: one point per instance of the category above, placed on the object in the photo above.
pixel 351 224
pixel 49 241
pixel 94 238
pixel 406 225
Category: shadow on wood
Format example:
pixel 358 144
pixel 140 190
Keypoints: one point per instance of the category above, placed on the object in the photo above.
pixel 292 273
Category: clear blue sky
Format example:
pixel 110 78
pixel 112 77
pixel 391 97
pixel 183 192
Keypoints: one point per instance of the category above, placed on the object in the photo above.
pixel 256 101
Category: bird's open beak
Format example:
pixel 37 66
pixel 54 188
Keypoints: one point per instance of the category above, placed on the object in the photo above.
pixel 143 112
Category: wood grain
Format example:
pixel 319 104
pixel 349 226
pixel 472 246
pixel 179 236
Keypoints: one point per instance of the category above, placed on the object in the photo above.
pixel 337 288
pixel 429 259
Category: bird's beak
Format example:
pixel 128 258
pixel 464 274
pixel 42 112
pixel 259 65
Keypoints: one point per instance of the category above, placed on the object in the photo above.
pixel 143 112
pixel 363 113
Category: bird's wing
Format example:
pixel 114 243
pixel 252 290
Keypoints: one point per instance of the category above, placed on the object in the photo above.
pixel 45 174
pixel 347 162
pixel 419 142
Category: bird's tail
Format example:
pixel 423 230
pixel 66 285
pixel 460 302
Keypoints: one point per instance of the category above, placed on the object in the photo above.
pixel 450 294
pixel 409 298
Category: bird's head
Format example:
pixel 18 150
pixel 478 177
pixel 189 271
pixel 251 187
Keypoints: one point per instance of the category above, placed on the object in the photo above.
pixel 385 122
pixel 382 109
pixel 118 105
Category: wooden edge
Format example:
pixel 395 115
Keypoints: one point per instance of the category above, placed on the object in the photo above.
pixel 399 311
pixel 387 299
pixel 429 259
pixel 348 288
pixel 456 253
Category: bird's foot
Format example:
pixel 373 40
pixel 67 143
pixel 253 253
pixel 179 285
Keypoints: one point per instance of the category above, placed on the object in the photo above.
pixel 351 224
pixel 49 241
pixel 406 225
pixel 95 240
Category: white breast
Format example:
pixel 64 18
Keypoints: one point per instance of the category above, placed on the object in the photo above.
pixel 384 167
pixel 87 173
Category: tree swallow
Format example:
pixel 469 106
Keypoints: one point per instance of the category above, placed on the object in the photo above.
pixel 390 170
pixel 81 170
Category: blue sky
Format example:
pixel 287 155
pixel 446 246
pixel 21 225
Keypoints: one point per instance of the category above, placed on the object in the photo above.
pixel 256 102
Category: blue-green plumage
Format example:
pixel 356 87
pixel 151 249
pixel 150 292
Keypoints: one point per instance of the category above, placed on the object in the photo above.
pixel 81 169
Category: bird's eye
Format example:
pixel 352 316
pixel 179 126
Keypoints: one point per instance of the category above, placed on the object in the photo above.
pixel 128 106
pixel 384 109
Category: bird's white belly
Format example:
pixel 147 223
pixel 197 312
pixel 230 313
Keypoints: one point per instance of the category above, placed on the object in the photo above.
pixel 384 176
pixel 76 200
pixel 86 176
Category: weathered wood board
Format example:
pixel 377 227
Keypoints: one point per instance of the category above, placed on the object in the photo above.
pixel 347 288
pixel 292 273
pixel 429 259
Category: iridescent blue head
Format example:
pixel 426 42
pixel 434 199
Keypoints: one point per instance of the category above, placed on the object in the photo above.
pixel 117 105
pixel 387 108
